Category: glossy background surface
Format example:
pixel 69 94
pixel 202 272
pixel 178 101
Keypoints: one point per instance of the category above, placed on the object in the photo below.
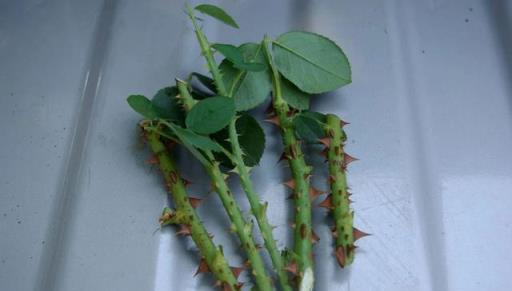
pixel 430 110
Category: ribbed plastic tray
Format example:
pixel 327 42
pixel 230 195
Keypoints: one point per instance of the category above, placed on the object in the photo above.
pixel 430 111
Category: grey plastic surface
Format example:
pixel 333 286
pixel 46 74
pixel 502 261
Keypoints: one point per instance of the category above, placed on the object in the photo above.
pixel 430 111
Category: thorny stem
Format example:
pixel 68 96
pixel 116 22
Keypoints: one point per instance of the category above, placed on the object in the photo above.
pixel 339 199
pixel 206 51
pixel 239 225
pixel 185 97
pixel 187 216
pixel 300 173
pixel 258 210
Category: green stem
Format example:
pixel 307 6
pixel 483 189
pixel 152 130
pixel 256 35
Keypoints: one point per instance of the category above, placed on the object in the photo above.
pixel 340 202
pixel 206 51
pixel 258 209
pixel 300 173
pixel 239 225
pixel 186 215
pixel 185 97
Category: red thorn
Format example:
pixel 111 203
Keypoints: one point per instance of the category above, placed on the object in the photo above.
pixel 326 141
pixel 282 157
pixel 332 179
pixel 347 159
pixel 334 232
pixel 290 184
pixel 185 182
pixel 324 152
pixel 358 234
pixel 292 268
pixel 152 161
pixel 237 270
pixel 274 120
pixel 203 267
pixel 314 237
pixel 195 201
pixel 313 193
pixel 343 123
pixel 327 203
pixel 340 256
pixel 184 230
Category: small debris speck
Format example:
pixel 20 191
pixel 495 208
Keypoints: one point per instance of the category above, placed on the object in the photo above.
pixel 19 221
pixel 422 51
pixel 5 214
pixel 43 242
pixel 466 20
pixel 470 9
pixel 17 206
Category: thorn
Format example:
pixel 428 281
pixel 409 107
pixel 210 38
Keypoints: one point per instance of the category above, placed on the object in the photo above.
pixel 292 268
pixel 347 159
pixel 313 193
pixel 203 267
pixel 314 237
pixel 152 161
pixel 324 152
pixel 292 225
pixel 282 157
pixel 326 141
pixel 274 120
pixel 291 196
pixel 343 123
pixel 259 246
pixel 327 202
pixel 237 270
pixel 194 201
pixel 290 184
pixel 340 256
pixel 307 176
pixel 358 234
pixel 334 232
pixel 332 179
pixel 184 230
pixel 185 182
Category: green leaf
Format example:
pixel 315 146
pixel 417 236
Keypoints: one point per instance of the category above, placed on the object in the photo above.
pixel 205 80
pixel 187 136
pixel 251 138
pixel 143 106
pixel 234 55
pixel 217 13
pixel 211 115
pixel 248 88
pixel 166 105
pixel 320 117
pixel 314 63
pixel 308 127
pixel 293 96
